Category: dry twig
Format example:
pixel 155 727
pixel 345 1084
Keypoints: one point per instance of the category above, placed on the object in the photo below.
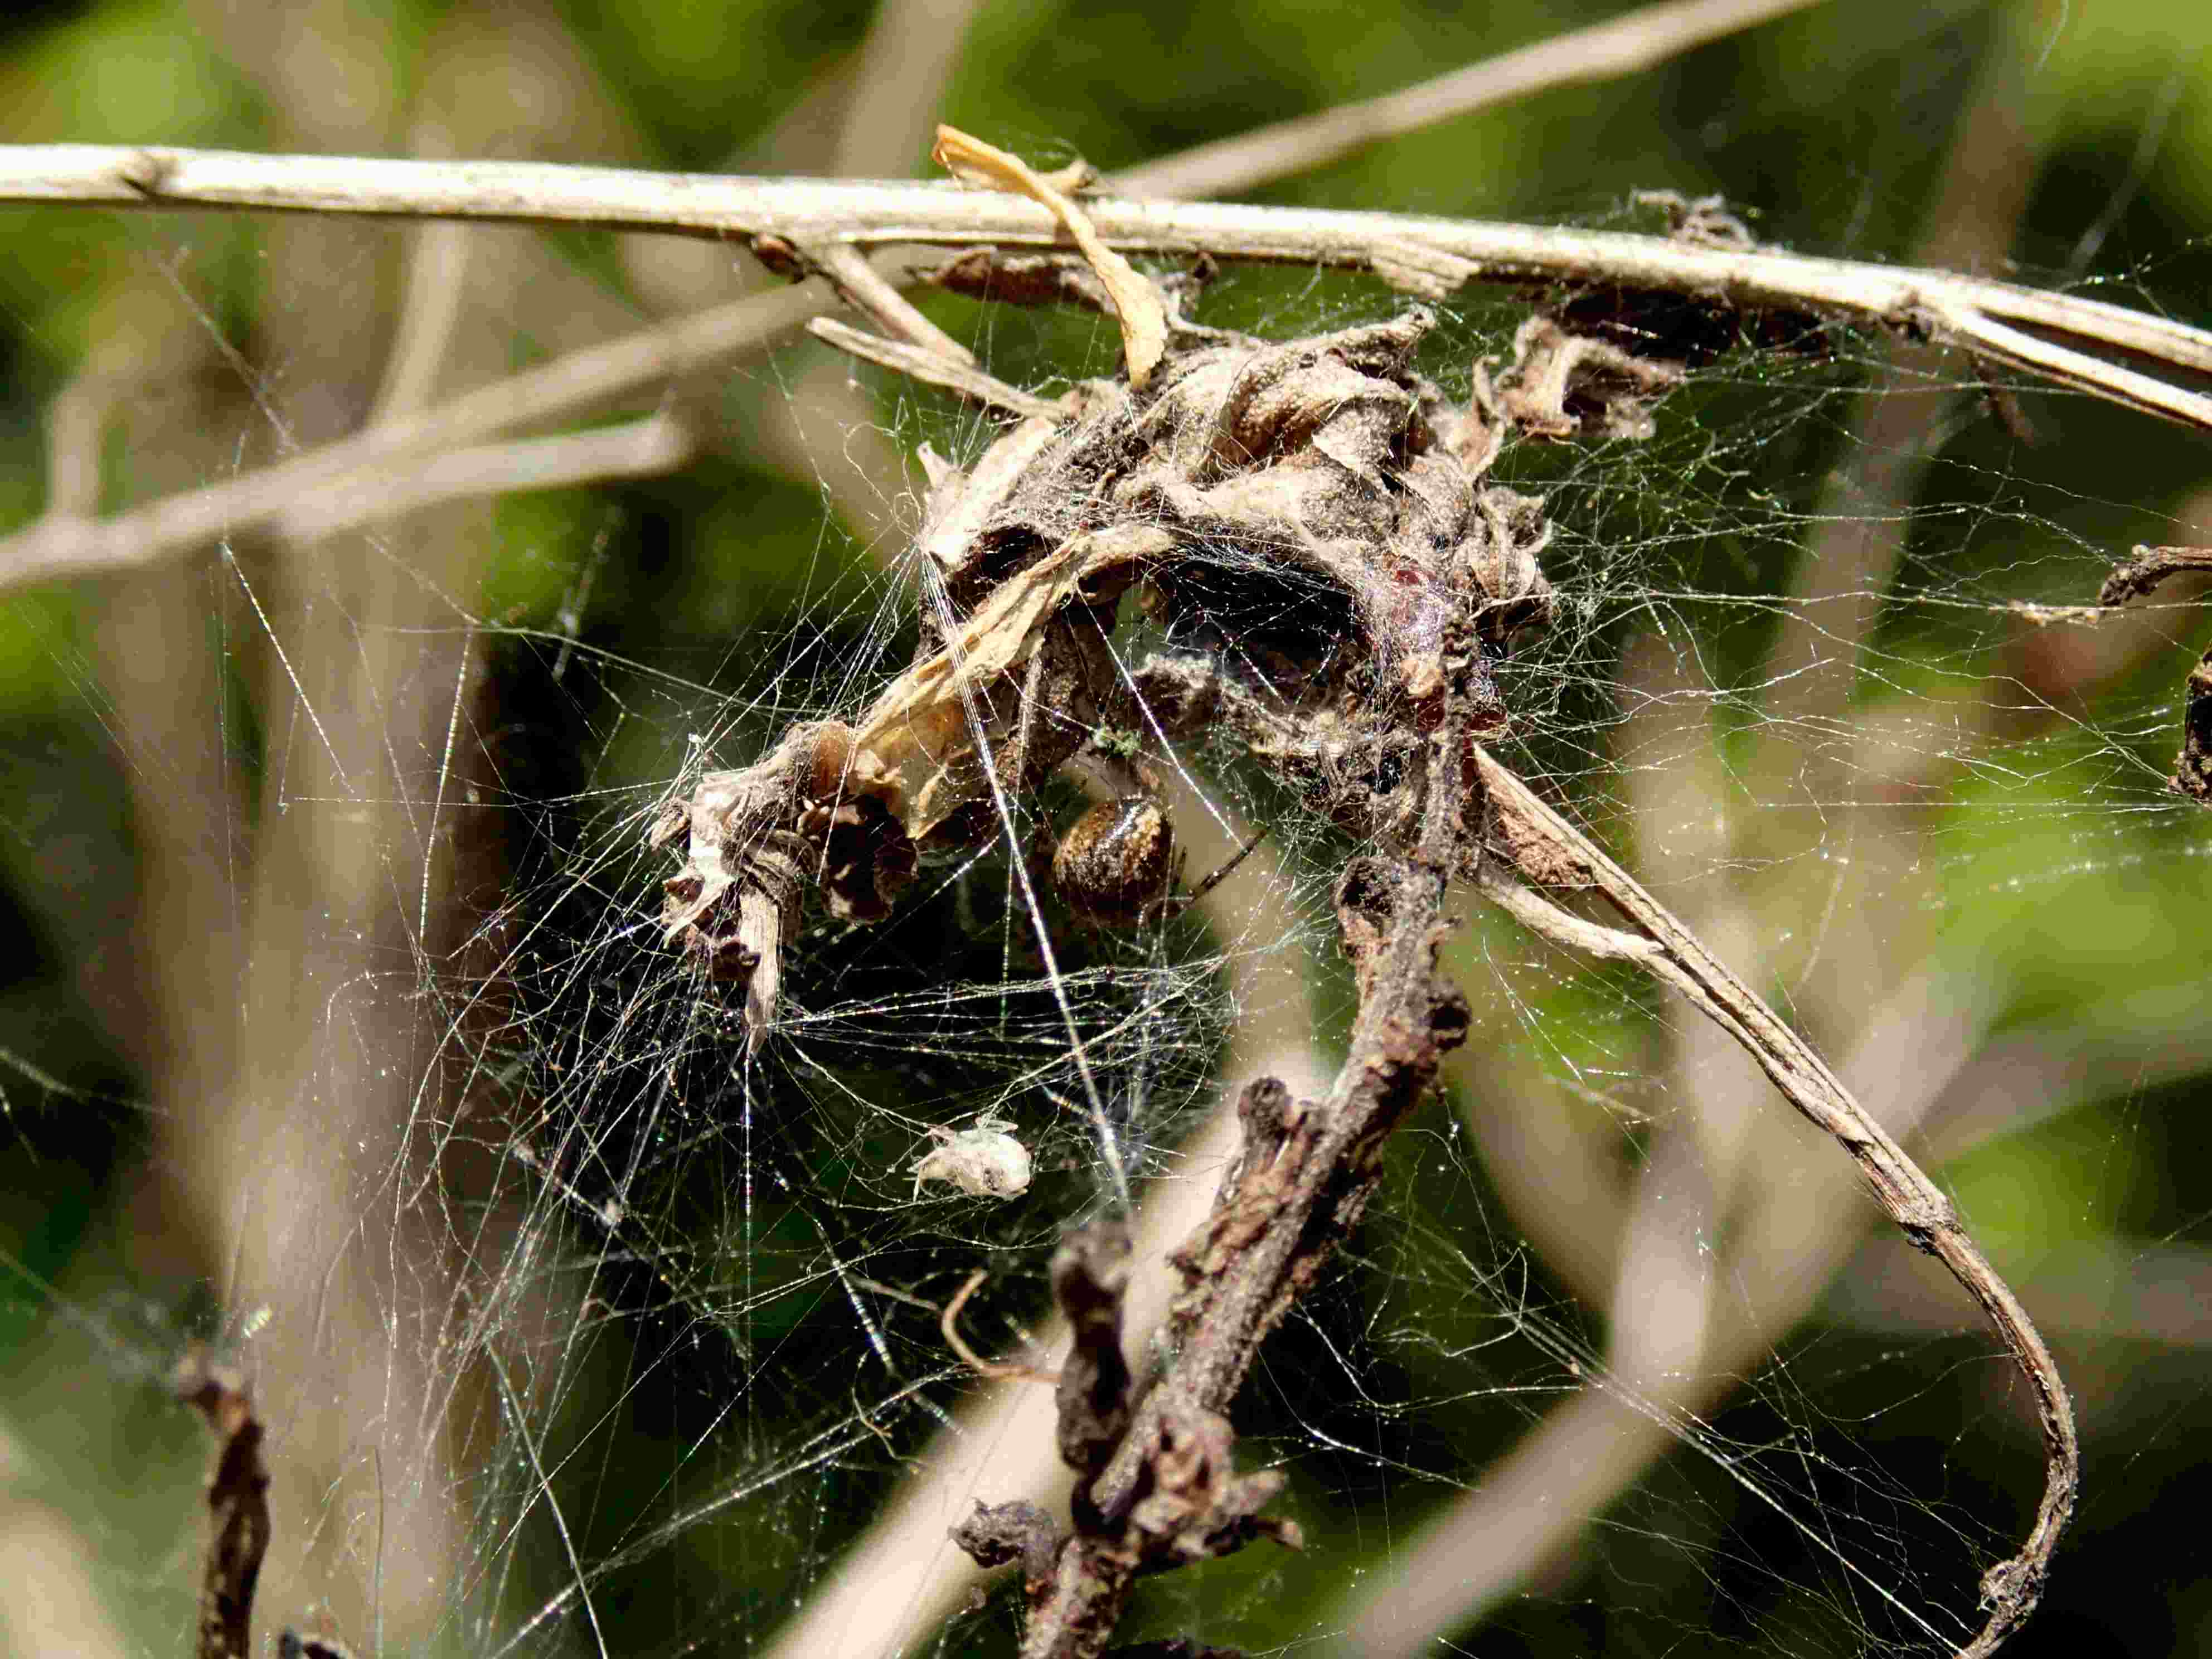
pixel 237 1502
pixel 2147 567
pixel 1993 320
pixel 1551 852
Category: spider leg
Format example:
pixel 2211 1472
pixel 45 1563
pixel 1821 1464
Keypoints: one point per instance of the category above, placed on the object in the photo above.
pixel 1169 909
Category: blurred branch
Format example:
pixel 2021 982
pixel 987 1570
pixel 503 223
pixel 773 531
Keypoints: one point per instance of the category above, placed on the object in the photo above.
pixel 1605 52
pixel 905 64
pixel 1989 319
pixel 637 449
pixel 862 287
pixel 2101 1289
pixel 58 547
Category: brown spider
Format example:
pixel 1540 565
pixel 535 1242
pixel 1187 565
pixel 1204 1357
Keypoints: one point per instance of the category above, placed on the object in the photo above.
pixel 1116 865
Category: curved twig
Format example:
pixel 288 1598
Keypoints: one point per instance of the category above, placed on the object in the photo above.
pixel 1547 843
pixel 948 1322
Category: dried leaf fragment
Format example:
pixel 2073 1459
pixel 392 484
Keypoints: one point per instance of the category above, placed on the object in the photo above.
pixel 820 807
pixel 1563 382
pixel 1143 314
pixel 924 714
pixel 1016 1530
pixel 1307 521
pixel 1198 1507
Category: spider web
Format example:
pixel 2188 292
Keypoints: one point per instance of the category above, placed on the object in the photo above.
pixel 581 1325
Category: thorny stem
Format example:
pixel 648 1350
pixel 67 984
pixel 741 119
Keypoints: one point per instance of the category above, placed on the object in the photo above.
pixel 1553 853
pixel 1298 1191
pixel 1996 320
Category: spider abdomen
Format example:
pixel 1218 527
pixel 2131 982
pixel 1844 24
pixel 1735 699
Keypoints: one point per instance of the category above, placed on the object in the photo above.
pixel 1116 862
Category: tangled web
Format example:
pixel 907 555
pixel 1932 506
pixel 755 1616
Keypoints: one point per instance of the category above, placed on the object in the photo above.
pixel 770 1016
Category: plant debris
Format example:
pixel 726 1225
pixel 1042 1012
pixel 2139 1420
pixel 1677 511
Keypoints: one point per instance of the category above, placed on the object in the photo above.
pixel 237 1502
pixel 2142 574
pixel 1310 526
pixel 1306 521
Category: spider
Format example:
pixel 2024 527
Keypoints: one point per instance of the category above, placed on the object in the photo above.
pixel 1117 863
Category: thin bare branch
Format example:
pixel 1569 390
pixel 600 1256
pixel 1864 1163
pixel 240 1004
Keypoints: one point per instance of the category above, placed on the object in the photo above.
pixel 1604 52
pixel 898 84
pixel 637 449
pixel 925 365
pixel 56 547
pixel 1547 842
pixel 866 289
pixel 2148 567
pixel 1992 320
pixel 2103 1290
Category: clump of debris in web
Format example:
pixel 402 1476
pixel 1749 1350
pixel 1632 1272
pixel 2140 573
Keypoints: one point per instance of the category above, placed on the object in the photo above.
pixel 1303 521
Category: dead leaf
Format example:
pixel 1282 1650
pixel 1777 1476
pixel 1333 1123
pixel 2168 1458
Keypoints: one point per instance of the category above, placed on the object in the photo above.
pixel 1137 302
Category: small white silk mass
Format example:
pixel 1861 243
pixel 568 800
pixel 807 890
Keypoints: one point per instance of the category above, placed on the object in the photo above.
pixel 984 1161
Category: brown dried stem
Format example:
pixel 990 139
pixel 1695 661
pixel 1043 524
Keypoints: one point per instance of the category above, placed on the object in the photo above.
pixel 2052 336
pixel 2142 574
pixel 1304 1177
pixel 1552 852
pixel 2147 567
pixel 238 1501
